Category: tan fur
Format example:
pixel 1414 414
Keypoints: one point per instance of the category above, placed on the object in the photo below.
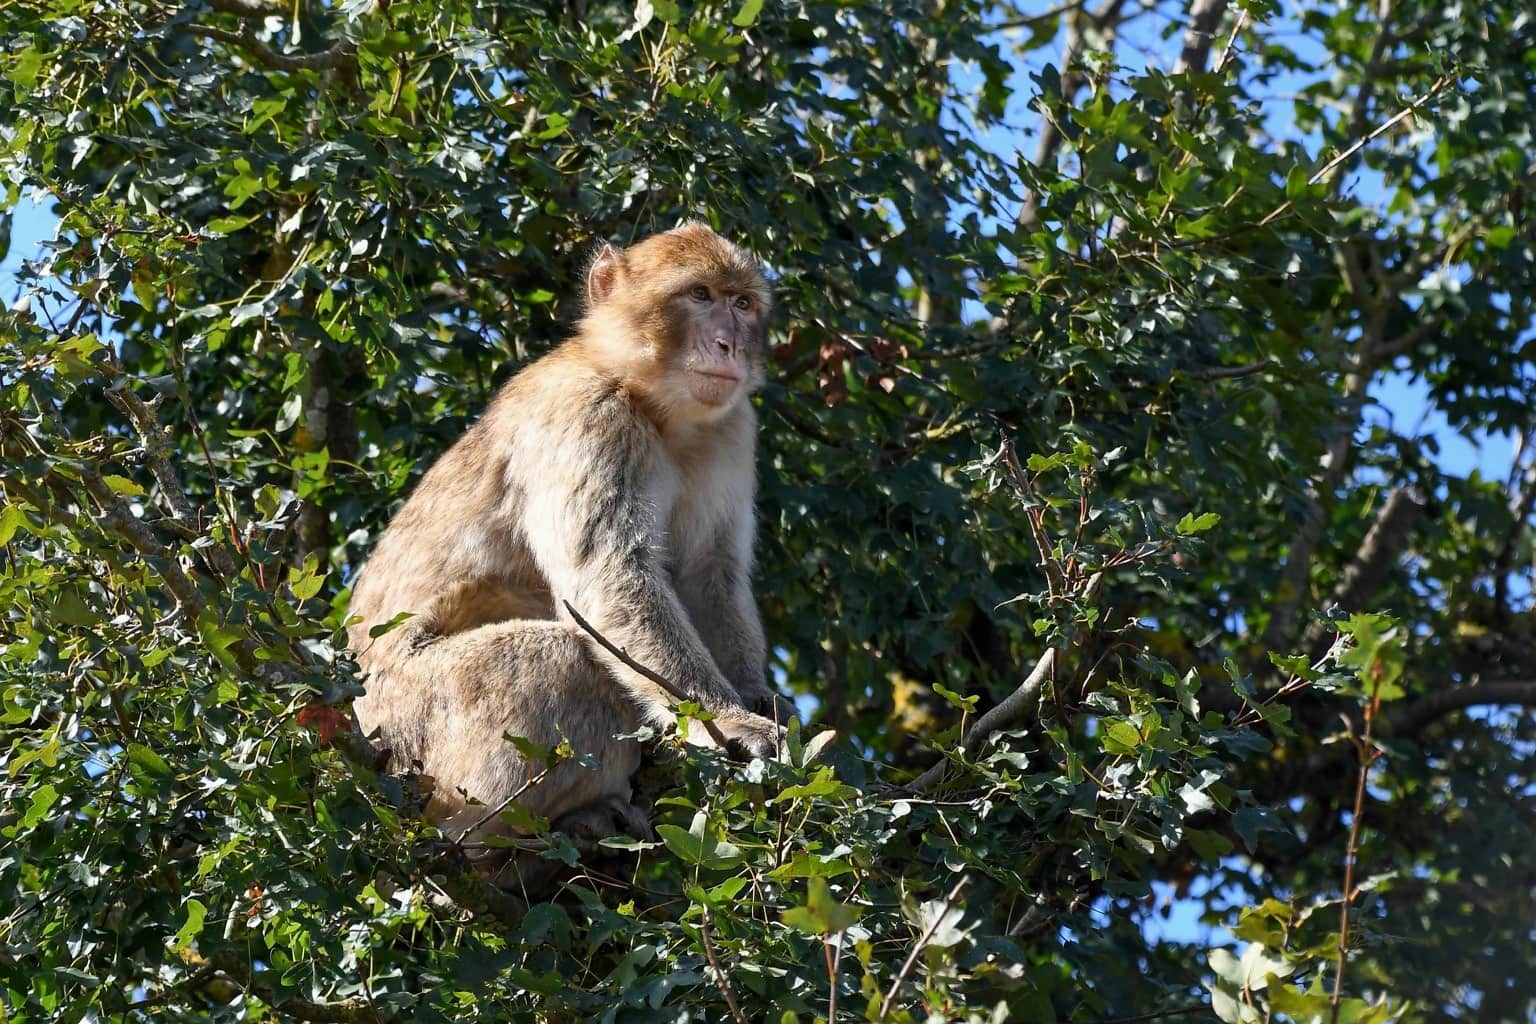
pixel 608 475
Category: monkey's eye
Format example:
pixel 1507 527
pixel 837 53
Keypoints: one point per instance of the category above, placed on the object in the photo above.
pixel 743 302
pixel 699 292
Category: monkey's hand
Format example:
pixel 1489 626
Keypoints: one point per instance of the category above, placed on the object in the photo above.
pixel 762 699
pixel 746 735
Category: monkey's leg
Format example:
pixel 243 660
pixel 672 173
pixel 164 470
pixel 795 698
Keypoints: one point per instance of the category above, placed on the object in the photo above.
pixel 534 679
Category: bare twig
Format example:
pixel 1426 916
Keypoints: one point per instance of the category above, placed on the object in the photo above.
pixel 1367 754
pixel 1228 50
pixel 714 965
pixel 1360 144
pixel 672 689
pixel 1031 20
pixel 833 955
pixel 506 802
pixel 906 966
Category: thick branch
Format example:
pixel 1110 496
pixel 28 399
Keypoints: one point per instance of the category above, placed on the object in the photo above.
pixel 157 454
pixel 1199 34
pixel 1384 541
pixel 1233 372
pixel 1015 706
pixel 1292 590
pixel 1405 719
pixel 1104 20
pixel 248 8
pixel 356 1010
pixel 1410 717
pixel 1018 704
pixel 1389 349
pixel 1520 509
pixel 342 55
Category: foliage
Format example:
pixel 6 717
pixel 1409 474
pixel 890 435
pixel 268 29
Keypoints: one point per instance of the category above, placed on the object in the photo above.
pixel 1080 526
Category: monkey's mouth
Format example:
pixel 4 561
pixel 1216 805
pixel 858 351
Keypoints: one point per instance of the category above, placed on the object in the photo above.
pixel 713 387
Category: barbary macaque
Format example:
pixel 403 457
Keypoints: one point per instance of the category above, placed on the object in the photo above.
pixel 614 474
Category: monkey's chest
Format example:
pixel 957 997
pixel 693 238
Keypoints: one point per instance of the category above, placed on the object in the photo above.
pixel 704 512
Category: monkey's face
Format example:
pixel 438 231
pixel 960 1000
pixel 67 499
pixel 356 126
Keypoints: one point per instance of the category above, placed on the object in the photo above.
pixel 716 342
pixel 683 315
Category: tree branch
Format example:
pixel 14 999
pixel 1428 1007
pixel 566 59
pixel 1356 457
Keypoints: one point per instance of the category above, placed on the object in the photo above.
pixel 1386 350
pixel 342 54
pixel 157 454
pixel 1105 19
pixel 1199 34
pixel 1378 552
pixel 1233 372
pixel 248 8
pixel 1520 509
pixel 674 691
pixel 1012 708
pixel 1409 717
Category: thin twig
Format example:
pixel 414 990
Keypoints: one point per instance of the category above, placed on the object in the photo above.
pixel 507 802
pixel 1226 53
pixel 1360 144
pixel 1367 756
pixel 671 688
pixel 933 926
pixel 833 955
pixel 720 982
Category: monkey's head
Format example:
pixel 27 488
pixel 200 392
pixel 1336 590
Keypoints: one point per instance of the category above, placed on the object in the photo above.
pixel 683 315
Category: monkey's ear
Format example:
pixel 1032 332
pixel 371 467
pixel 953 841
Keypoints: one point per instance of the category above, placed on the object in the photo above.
pixel 603 274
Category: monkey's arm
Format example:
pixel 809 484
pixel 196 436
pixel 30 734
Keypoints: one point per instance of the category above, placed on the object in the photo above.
pixel 591 525
pixel 718 596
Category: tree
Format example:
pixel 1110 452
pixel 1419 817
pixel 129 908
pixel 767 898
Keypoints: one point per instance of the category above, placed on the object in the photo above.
pixel 1082 525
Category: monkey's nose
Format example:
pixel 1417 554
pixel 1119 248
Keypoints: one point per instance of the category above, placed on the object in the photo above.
pixel 726 346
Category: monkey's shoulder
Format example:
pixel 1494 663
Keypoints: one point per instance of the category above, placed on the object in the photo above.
pixel 558 401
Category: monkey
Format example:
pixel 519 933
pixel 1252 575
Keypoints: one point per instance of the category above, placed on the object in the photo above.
pixel 615 474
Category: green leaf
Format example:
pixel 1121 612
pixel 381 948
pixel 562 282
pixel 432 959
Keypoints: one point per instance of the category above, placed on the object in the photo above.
pixel 1192 523
pixel 187 934
pixel 151 762
pixel 12 519
pixel 809 865
pixel 748 13
pixel 43 799
pixel 821 914
pixel 306 582
pixel 699 844
pixel 1122 738
pixel 967 704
